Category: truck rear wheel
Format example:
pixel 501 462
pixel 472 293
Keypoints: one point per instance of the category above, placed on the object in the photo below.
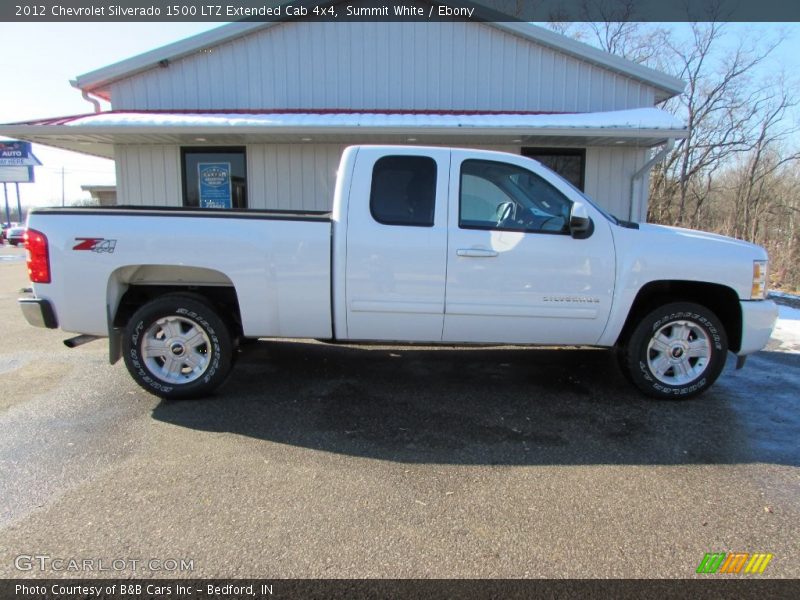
pixel 676 351
pixel 177 347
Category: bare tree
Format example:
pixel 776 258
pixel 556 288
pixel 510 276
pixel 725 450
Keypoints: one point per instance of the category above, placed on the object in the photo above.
pixel 764 163
pixel 611 26
pixel 735 170
pixel 721 107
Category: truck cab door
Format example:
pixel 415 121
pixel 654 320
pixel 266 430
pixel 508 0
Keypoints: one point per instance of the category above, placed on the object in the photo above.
pixel 515 274
pixel 397 244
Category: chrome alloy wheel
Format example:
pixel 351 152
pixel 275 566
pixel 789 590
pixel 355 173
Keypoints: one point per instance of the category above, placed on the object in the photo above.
pixel 679 352
pixel 176 350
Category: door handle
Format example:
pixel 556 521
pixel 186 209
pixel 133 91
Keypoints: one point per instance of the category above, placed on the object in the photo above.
pixel 476 253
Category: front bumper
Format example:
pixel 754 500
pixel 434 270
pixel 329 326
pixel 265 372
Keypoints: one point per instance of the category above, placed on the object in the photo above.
pixel 38 312
pixel 758 320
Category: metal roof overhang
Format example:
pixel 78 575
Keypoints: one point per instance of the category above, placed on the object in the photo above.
pixel 100 140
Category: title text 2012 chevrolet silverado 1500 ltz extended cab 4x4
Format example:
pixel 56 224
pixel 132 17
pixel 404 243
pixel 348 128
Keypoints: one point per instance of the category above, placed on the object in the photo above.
pixel 431 245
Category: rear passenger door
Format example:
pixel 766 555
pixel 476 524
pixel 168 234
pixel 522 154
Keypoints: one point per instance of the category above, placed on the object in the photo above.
pixel 397 244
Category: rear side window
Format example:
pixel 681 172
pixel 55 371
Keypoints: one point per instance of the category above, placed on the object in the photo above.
pixel 403 191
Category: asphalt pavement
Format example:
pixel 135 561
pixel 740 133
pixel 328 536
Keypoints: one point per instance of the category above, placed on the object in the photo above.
pixel 318 460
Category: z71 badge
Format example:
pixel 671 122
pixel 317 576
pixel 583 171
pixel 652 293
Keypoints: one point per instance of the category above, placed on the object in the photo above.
pixel 99 245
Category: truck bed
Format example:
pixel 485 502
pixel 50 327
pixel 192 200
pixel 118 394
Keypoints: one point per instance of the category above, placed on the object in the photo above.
pixel 278 262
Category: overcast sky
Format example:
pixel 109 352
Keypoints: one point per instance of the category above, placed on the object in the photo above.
pixel 39 60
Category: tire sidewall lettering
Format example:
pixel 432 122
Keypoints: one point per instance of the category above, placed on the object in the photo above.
pixel 149 380
pixel 691 316
pixel 638 350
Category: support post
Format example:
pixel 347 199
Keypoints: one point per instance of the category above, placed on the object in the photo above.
pixel 19 203
pixel 659 156
pixel 5 193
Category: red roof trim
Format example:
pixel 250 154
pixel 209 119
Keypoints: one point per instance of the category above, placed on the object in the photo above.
pixel 290 111
pixel 54 120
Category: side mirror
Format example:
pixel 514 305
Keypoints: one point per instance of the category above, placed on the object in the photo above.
pixel 580 225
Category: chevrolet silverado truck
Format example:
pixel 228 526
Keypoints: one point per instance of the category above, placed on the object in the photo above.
pixel 433 245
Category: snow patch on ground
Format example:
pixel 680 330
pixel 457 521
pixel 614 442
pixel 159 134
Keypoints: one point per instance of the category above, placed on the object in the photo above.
pixel 787 330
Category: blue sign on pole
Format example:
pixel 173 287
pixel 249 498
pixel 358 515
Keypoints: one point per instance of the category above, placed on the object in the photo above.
pixel 17 154
pixel 214 182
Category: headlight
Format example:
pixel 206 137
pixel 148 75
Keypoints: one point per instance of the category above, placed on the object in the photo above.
pixel 759 291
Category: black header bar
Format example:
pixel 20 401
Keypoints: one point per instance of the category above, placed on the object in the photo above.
pixel 398 10
pixel 710 586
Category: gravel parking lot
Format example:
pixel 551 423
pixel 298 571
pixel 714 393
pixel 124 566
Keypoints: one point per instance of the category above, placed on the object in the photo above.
pixel 319 460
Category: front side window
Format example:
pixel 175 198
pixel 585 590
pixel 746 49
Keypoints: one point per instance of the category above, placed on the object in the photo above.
pixel 501 196
pixel 214 177
pixel 403 191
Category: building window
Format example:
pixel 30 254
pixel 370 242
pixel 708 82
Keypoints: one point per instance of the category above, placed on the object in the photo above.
pixel 570 163
pixel 403 191
pixel 503 197
pixel 214 177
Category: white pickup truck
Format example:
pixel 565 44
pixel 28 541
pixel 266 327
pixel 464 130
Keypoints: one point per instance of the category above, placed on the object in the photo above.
pixel 434 245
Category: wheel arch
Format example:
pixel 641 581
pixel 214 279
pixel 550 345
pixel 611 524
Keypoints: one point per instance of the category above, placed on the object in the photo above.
pixel 132 286
pixel 722 300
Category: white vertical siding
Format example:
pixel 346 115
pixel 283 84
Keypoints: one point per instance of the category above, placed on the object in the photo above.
pixel 148 175
pixel 443 66
pixel 280 176
pixel 303 176
pixel 608 180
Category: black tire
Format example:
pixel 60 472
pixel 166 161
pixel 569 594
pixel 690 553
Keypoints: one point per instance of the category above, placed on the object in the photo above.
pixel 190 331
pixel 621 354
pixel 694 355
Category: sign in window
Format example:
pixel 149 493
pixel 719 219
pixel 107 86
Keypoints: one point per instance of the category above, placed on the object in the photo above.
pixel 214 178
pixel 214 181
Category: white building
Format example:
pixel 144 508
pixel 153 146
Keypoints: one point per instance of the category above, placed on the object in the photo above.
pixel 104 195
pixel 279 101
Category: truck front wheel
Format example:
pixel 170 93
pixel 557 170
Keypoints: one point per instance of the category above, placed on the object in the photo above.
pixel 177 347
pixel 677 351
